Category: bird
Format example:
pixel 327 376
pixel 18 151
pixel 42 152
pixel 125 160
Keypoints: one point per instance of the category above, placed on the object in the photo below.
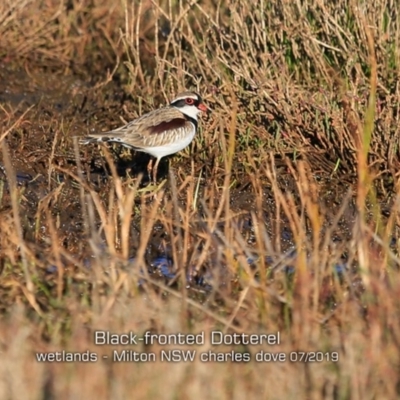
pixel 160 132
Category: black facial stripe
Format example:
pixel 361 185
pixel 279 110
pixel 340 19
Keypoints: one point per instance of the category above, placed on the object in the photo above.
pixel 179 103
pixel 182 102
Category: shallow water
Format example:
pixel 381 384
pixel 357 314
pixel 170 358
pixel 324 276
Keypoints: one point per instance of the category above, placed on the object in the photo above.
pixel 42 148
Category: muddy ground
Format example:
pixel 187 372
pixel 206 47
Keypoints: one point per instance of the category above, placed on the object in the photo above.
pixel 42 150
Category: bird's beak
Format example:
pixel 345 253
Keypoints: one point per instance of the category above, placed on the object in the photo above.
pixel 202 107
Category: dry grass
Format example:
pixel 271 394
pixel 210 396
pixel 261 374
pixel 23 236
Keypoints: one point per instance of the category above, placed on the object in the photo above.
pixel 303 137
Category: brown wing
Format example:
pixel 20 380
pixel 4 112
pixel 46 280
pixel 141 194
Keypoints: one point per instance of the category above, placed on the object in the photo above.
pixel 173 124
pixel 153 129
pixel 164 133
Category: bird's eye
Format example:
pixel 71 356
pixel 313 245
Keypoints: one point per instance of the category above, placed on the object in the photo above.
pixel 189 101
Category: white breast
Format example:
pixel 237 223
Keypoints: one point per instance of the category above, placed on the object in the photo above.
pixel 177 143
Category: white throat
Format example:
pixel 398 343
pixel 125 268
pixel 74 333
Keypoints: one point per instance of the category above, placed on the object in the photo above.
pixel 190 111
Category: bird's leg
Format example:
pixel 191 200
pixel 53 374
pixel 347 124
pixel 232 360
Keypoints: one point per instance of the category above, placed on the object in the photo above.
pixel 155 170
pixel 150 168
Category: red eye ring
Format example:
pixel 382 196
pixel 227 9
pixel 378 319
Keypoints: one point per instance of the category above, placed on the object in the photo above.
pixel 189 101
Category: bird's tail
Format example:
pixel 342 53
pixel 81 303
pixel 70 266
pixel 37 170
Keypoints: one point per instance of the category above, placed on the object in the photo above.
pixel 88 139
pixel 101 138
